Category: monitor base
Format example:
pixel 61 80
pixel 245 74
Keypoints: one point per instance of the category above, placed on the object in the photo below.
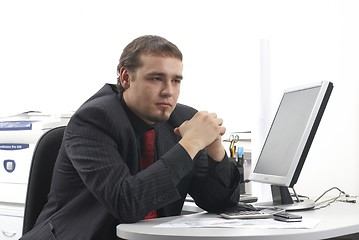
pixel 303 204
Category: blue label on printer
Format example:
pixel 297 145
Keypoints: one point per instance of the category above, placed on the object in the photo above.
pixel 13 146
pixel 16 125
pixel 9 165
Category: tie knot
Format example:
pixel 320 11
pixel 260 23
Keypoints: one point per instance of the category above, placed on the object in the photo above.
pixel 149 139
pixel 149 134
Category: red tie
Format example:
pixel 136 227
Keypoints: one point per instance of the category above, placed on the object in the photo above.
pixel 148 157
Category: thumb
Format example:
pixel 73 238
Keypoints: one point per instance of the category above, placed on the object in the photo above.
pixel 177 131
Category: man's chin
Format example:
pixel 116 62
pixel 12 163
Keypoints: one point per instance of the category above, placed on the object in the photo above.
pixel 163 117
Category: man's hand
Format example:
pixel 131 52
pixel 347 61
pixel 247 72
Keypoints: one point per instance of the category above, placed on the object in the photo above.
pixel 216 150
pixel 204 130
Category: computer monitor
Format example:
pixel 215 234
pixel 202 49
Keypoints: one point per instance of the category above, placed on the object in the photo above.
pixel 288 142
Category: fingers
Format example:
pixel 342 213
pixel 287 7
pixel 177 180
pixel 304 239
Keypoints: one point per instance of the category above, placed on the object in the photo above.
pixel 177 131
pixel 201 130
pixel 222 130
pixel 219 121
pixel 216 120
pixel 204 124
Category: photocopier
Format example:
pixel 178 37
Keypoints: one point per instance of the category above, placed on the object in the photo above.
pixel 18 137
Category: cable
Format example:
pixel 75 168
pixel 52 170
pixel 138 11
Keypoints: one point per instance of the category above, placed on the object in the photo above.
pixel 330 201
pixel 294 194
pixel 340 192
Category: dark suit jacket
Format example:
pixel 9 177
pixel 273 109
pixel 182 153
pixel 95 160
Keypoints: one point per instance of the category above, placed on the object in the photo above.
pixel 97 183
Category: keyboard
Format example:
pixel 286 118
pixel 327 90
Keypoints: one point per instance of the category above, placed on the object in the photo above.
pixel 247 211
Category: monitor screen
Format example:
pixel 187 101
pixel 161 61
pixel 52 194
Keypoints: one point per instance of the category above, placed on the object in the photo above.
pixel 290 136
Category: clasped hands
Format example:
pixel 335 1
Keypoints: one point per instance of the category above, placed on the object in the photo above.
pixel 203 130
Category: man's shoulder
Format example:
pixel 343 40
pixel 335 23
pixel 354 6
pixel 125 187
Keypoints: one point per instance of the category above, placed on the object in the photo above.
pixel 184 108
pixel 106 90
pixel 181 113
pixel 106 101
pixel 103 109
pixel 106 96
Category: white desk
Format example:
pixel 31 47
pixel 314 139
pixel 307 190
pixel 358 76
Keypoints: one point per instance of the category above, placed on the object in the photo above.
pixel 339 219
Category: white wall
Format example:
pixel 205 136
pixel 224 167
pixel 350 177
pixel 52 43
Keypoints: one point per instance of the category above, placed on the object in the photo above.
pixel 55 54
pixel 314 42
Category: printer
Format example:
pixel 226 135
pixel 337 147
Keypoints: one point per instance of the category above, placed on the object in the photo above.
pixel 18 137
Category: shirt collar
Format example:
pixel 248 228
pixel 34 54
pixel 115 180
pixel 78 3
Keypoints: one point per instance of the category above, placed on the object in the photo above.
pixel 138 125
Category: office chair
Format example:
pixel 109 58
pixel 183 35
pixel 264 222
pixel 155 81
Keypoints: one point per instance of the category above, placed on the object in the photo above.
pixel 43 161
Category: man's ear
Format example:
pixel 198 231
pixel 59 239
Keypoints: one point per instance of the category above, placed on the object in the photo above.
pixel 125 77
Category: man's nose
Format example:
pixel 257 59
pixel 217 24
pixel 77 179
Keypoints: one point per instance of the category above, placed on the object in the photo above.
pixel 168 88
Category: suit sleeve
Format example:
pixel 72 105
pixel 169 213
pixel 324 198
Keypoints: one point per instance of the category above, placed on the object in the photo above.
pixel 215 184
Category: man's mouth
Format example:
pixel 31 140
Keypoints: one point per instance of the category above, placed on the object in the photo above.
pixel 164 104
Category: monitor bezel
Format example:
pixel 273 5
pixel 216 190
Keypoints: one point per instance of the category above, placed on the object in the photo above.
pixel 307 138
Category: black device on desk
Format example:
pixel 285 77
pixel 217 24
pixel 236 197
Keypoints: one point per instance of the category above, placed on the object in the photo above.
pixel 287 217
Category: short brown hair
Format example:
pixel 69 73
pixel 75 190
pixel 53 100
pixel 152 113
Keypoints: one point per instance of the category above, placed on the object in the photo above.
pixel 147 44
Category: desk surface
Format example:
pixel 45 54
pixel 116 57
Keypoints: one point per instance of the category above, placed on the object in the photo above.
pixel 338 219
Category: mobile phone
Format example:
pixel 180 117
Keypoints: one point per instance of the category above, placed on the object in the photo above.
pixel 287 217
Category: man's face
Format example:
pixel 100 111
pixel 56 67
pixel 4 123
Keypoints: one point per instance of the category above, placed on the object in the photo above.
pixel 152 91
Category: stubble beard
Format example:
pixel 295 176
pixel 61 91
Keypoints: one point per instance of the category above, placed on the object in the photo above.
pixel 162 117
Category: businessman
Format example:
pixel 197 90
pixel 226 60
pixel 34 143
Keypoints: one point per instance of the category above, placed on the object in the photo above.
pixel 131 152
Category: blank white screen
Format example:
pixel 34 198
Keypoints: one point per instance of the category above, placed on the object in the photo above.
pixel 286 132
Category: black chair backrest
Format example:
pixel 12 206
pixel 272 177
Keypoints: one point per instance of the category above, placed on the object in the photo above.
pixel 43 161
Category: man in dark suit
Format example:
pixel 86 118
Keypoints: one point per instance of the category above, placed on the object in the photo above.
pixel 98 181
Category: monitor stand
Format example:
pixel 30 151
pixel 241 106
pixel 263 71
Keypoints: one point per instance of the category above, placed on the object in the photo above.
pixel 283 199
